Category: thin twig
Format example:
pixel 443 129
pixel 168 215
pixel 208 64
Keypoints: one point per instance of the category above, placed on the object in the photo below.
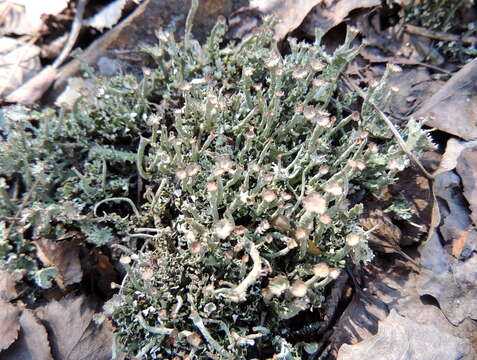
pixel 75 30
pixel 391 127
pixel 400 61
pixel 437 35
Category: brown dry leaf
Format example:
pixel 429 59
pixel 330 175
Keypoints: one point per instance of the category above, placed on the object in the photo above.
pixel 459 244
pixel 382 226
pixel 414 86
pixel 108 16
pixel 453 108
pixel 25 16
pixel 454 148
pixel 64 255
pixel 34 88
pixel 290 14
pixel 467 170
pixel 19 62
pixel 449 280
pixel 104 273
pixel 74 332
pixel 402 338
pixel 386 286
pixel 7 286
pixel 332 13
pixel 9 324
pixel 32 343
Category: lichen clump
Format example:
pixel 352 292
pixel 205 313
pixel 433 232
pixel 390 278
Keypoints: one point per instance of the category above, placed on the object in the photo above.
pixel 239 204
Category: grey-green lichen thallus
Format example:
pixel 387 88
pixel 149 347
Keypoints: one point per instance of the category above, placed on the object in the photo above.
pixel 229 178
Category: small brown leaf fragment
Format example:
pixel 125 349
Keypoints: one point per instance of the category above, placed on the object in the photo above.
pixel 290 14
pixel 382 226
pixel 466 168
pixel 7 286
pixel 32 343
pixel 19 62
pixel 459 244
pixel 453 108
pixel 64 255
pixel 9 324
pixel 332 13
pixel 73 332
pixel 401 338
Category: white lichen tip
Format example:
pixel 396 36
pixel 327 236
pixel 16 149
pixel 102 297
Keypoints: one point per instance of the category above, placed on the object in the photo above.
pixel 278 285
pixel 212 187
pixel 333 188
pixel 300 73
pixel 353 239
pixel 315 203
pixel 281 223
pixel 301 235
pixel 334 273
pixel 309 112
pixel 299 289
pixel 272 62
pixel 248 71
pixel 223 228
pixel 224 163
pixel 321 270
pixel 181 173
pixel 269 196
pixel 194 339
pixel 192 169
pixel 317 65
pixel 195 247
pixel 323 170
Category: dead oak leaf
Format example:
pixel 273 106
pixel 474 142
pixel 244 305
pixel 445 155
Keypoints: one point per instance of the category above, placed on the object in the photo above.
pixel 323 18
pixel 290 14
pixel 74 333
pixel 453 108
pixel 401 338
pixel 32 343
pixel 64 255
pixel 7 286
pixel 466 165
pixel 19 62
pixel 459 244
pixel 25 16
pixel 9 324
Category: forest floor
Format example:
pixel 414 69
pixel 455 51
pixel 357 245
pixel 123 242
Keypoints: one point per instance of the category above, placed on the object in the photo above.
pixel 417 299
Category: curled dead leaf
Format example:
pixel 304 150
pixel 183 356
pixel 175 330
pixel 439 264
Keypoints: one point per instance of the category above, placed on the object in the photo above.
pixel 453 108
pixel 401 338
pixel 25 16
pixel 7 286
pixel 290 14
pixel 33 340
pixel 466 168
pixel 64 255
pixel 332 13
pixel 19 62
pixel 9 324
pixel 74 332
